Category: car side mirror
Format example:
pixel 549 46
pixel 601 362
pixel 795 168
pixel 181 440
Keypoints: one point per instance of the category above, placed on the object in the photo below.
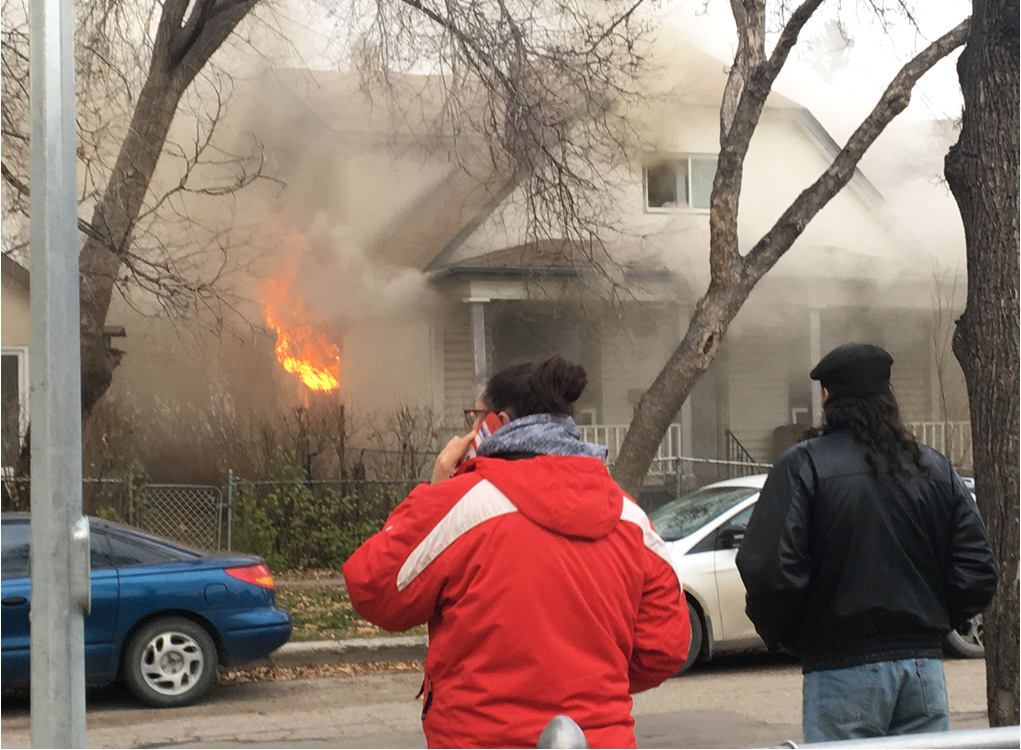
pixel 730 537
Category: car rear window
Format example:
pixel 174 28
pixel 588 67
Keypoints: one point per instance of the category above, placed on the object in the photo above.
pixel 126 553
pixel 686 515
pixel 15 553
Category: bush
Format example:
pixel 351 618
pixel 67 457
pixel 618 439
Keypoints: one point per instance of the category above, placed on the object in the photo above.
pixel 301 525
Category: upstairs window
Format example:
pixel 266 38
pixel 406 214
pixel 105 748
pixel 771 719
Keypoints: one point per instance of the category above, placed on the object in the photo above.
pixel 679 182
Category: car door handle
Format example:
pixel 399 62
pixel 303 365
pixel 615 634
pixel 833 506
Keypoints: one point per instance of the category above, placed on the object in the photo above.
pixel 13 601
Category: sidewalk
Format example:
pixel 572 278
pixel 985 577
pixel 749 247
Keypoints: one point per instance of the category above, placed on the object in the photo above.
pixel 350 651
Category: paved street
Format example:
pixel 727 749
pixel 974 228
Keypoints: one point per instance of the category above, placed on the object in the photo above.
pixel 746 701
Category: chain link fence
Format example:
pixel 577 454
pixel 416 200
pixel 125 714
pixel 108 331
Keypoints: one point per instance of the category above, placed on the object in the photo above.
pixel 188 513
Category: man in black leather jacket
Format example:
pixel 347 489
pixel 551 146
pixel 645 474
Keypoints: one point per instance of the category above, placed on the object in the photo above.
pixel 863 551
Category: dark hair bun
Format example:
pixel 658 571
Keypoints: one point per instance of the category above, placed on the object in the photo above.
pixel 558 383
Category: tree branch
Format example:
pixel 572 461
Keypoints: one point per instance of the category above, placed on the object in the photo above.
pixel 758 77
pixel 778 240
pixel 83 226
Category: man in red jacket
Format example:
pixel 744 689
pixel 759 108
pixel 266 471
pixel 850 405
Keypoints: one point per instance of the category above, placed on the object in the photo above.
pixel 545 587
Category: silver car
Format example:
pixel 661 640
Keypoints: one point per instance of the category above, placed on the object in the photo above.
pixel 703 531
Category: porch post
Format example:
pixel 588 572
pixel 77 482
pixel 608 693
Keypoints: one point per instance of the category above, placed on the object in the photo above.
pixel 684 449
pixel 815 354
pixel 478 323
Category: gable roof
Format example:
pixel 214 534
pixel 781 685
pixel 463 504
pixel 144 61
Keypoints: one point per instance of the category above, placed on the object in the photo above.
pixel 14 271
pixel 429 232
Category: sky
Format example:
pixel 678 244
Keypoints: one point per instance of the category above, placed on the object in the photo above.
pixel 822 64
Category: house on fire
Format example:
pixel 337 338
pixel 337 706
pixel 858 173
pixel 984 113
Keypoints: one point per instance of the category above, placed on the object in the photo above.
pixel 853 275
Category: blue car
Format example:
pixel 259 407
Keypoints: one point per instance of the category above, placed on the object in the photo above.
pixel 163 615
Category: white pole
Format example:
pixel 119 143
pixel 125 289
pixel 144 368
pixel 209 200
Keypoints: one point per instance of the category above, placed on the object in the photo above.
pixel 478 327
pixel 57 637
pixel 815 354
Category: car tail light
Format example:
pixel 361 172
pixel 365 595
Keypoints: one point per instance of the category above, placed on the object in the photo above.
pixel 257 575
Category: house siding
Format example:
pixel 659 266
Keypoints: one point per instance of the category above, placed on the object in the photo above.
pixel 633 354
pixel 757 375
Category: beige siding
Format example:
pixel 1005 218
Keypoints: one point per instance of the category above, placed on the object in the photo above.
pixel 907 340
pixel 758 390
pixel 458 365
pixel 633 354
pixel 16 325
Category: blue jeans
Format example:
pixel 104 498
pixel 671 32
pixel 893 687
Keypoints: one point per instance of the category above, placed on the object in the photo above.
pixel 875 700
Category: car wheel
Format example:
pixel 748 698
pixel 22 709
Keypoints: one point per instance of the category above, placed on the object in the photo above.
pixel 695 646
pixel 170 662
pixel 966 642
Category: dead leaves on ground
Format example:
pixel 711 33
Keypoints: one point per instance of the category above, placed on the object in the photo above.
pixel 240 676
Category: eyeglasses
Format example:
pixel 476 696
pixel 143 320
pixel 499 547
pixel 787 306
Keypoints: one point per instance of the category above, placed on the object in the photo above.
pixel 471 416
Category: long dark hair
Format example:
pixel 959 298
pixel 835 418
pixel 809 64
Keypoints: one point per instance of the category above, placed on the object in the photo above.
pixel 874 422
pixel 548 386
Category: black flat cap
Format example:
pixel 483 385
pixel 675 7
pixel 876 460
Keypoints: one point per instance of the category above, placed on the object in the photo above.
pixel 857 370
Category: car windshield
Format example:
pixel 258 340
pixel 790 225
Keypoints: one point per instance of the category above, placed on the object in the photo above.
pixel 685 515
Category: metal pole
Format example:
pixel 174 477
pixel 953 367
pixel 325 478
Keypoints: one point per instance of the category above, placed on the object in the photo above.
pixel 57 637
pixel 995 737
pixel 230 510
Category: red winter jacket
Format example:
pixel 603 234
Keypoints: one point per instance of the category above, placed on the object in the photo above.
pixel 546 591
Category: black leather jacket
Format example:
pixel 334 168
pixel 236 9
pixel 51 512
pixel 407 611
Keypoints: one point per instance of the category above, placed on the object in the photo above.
pixel 845 568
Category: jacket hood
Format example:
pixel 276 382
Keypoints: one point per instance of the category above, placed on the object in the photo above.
pixel 568 495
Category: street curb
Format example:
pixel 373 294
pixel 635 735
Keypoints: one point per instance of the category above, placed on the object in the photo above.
pixel 350 651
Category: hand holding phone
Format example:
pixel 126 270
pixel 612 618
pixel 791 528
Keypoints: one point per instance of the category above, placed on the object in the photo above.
pixel 490 424
pixel 460 449
pixel 450 457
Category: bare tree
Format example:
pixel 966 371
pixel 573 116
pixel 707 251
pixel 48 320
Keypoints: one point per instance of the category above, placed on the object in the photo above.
pixel 982 169
pixel 733 275
pixel 130 84
pixel 517 72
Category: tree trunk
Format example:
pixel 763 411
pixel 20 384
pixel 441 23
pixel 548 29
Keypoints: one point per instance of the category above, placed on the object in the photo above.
pixel 113 219
pixel 659 405
pixel 982 169
pixel 733 276
pixel 183 44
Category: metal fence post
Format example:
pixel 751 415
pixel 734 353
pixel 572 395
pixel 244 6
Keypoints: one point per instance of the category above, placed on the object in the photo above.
pixel 57 641
pixel 230 510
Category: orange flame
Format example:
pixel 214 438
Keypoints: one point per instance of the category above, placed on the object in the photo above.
pixel 301 349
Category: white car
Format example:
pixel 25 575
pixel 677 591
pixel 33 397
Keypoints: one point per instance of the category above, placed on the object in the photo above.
pixel 703 531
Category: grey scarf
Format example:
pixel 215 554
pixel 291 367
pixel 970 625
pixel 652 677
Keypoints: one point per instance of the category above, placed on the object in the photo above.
pixel 545 434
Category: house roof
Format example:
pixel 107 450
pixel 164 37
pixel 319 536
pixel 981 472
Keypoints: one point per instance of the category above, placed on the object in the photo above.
pixel 549 258
pixel 14 271
pixel 441 218
pixel 434 226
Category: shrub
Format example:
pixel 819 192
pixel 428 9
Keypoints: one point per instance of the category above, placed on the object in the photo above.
pixel 302 525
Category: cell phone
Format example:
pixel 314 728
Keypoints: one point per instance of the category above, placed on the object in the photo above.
pixel 489 425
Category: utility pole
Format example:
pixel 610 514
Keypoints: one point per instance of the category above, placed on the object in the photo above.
pixel 60 544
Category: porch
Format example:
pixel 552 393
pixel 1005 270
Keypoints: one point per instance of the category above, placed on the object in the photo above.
pixel 674 460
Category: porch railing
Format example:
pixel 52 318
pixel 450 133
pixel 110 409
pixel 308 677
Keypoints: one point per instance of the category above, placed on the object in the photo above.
pixel 741 463
pixel 612 435
pixel 953 439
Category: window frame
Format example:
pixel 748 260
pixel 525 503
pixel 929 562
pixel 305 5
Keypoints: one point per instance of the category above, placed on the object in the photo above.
pixel 21 352
pixel 688 158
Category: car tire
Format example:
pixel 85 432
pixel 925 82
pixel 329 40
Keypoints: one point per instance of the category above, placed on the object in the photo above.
pixel 966 642
pixel 695 646
pixel 170 662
